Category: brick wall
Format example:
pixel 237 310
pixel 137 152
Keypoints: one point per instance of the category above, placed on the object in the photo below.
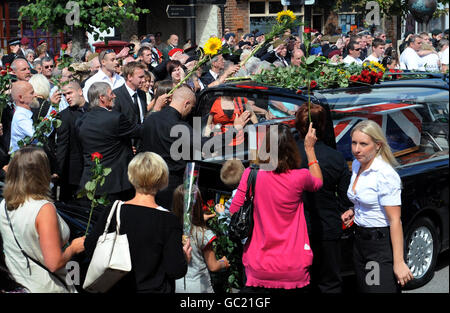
pixel 236 16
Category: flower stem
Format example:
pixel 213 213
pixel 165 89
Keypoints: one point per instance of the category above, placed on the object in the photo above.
pixel 90 213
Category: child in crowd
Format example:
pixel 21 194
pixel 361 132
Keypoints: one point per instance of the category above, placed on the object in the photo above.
pixel 197 279
pixel 230 174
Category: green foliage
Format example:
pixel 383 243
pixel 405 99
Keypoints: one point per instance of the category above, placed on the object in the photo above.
pixel 388 7
pixel 42 129
pixel 102 14
pixel 5 85
pixel 224 246
pixel 98 176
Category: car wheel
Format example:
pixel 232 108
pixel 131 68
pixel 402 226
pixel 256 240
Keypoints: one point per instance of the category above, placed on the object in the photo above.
pixel 422 243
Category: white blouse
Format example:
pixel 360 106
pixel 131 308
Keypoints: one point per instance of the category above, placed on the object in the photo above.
pixel 378 186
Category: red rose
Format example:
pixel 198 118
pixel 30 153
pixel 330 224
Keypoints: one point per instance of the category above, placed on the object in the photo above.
pixel 365 73
pixel 3 72
pixel 380 75
pixel 53 113
pixel 210 203
pixel 96 155
pixel 307 30
pixel 354 78
pixel 313 84
pixel 392 71
pixel 205 208
pixel 63 47
pixel 322 73
pixel 299 92
pixel 7 65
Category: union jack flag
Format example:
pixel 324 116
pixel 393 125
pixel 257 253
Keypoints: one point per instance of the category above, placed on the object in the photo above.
pixel 401 123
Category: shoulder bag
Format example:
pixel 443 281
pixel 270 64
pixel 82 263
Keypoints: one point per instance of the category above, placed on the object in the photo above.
pixel 111 259
pixel 28 257
pixel 241 224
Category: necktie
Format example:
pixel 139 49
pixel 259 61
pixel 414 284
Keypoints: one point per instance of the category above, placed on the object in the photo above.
pixel 135 100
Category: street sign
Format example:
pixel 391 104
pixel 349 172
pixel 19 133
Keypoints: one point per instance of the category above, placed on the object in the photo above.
pixel 180 11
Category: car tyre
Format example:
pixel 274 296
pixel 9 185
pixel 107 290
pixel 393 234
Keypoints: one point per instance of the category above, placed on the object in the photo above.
pixel 421 252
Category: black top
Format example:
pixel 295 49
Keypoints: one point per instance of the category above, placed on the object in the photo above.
pixel 159 125
pixel 156 250
pixel 109 133
pixel 69 154
pixel 323 208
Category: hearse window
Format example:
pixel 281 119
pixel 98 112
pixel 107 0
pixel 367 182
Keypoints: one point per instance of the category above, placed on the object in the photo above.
pixel 415 120
pixel 217 107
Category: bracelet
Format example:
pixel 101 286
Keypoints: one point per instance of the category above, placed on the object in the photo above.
pixel 313 162
pixel 222 261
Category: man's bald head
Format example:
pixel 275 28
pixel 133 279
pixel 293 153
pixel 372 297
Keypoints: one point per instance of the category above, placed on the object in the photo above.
pixel 22 93
pixel 183 100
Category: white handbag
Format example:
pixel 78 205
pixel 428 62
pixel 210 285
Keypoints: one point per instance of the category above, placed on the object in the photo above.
pixel 111 259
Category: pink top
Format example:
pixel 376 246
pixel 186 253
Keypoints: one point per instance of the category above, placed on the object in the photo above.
pixel 278 254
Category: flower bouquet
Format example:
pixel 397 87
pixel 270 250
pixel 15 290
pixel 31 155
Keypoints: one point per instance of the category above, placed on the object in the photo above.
pixel 42 130
pixel 5 85
pixel 224 246
pixel 372 72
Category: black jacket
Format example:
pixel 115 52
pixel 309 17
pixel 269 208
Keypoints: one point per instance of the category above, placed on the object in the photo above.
pixel 109 133
pixel 69 156
pixel 124 104
pixel 323 208
pixel 156 249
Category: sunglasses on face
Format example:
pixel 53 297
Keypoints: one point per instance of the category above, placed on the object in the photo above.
pixel 48 66
pixel 358 49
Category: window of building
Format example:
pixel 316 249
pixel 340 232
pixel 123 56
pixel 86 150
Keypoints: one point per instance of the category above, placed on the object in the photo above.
pixel 264 12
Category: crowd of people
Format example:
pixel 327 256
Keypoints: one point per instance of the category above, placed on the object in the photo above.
pixel 122 109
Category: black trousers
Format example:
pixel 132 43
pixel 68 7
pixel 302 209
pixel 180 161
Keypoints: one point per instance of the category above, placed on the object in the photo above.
pixel 373 260
pixel 326 267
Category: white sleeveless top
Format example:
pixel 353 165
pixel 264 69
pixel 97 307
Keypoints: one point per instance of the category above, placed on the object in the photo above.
pixel 23 221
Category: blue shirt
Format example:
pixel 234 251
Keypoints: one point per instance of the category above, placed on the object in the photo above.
pixel 21 127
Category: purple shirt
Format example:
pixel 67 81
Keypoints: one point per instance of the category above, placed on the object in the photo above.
pixel 278 254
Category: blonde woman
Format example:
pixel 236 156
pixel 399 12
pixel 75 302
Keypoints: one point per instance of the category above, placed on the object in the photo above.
pixel 154 234
pixel 375 190
pixel 29 219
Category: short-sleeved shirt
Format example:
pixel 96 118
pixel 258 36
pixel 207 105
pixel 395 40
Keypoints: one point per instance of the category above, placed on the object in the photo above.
pixel 378 186
pixel 444 57
pixel 410 60
pixel 21 127
pixel 197 279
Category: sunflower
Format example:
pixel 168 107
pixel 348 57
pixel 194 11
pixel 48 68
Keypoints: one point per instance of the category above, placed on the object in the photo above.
pixel 212 46
pixel 281 16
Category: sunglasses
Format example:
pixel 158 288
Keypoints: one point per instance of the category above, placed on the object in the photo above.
pixel 49 66
pixel 358 49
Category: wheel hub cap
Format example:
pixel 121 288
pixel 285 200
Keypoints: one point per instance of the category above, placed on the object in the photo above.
pixel 420 252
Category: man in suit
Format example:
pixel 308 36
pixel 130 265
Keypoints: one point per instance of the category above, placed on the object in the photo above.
pixel 160 125
pixel 69 156
pixel 213 77
pixel 277 56
pixel 108 132
pixel 130 100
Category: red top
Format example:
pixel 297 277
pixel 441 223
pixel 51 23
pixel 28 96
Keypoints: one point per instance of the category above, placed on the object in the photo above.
pixel 219 115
